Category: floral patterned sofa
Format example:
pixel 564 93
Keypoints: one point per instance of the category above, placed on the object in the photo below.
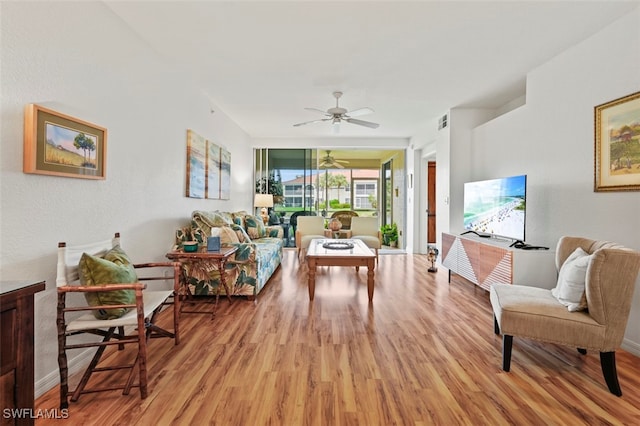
pixel 248 269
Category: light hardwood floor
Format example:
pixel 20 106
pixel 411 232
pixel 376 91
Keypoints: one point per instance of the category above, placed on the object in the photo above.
pixel 423 353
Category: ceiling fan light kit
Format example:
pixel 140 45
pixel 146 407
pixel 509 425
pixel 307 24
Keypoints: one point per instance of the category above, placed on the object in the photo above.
pixel 338 114
pixel 328 162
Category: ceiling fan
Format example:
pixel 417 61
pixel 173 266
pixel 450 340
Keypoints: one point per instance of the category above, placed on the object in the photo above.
pixel 337 114
pixel 328 161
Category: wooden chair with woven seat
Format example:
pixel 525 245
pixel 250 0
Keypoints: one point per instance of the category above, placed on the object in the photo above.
pixel 344 216
pixel 104 274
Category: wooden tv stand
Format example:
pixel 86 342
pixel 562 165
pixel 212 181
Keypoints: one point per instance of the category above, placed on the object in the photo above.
pixel 485 261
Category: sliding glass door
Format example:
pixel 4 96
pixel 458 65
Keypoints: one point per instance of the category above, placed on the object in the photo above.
pixel 288 174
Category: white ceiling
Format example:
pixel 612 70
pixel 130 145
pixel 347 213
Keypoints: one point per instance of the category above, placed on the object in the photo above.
pixel 263 62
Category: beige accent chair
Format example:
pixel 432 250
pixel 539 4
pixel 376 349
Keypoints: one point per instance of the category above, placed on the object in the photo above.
pixel 534 313
pixel 309 227
pixel 366 229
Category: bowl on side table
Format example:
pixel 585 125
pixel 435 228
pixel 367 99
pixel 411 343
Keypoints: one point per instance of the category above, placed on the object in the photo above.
pixel 190 246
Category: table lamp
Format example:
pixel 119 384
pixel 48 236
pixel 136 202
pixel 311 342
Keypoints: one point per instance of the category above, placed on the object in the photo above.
pixel 263 201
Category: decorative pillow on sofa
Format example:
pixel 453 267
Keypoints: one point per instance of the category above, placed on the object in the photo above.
pixel 227 236
pixel 114 268
pixel 255 227
pixel 570 289
pixel 242 235
pixel 238 217
pixel 205 220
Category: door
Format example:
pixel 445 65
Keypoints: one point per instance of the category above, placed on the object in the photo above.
pixel 431 202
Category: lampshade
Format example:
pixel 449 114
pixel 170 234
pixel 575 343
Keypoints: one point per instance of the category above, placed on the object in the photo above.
pixel 263 200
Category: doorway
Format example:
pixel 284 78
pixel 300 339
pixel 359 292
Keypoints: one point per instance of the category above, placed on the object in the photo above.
pixel 431 202
pixel 386 194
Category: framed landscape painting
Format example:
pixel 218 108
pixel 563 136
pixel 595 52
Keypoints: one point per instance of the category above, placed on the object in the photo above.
pixel 60 145
pixel 617 145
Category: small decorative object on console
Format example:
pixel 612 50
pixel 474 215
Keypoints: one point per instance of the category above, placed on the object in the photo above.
pixel 335 225
pixel 432 255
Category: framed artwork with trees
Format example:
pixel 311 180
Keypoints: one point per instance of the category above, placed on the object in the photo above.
pixel 617 145
pixel 60 145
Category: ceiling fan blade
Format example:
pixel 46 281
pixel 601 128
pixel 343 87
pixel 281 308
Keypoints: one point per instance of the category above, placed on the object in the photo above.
pixel 312 121
pixel 318 110
pixel 337 165
pixel 362 123
pixel 360 111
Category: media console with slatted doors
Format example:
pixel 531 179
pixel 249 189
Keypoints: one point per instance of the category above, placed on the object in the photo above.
pixel 486 261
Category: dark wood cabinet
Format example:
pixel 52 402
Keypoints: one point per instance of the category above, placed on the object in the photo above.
pixel 16 348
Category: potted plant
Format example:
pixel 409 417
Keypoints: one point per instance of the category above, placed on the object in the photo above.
pixel 389 234
pixel 271 185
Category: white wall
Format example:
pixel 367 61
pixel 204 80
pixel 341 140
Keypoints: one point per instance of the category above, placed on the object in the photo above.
pixel 79 59
pixel 551 139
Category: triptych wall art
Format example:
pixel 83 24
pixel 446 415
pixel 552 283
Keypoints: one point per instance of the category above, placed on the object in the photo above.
pixel 208 169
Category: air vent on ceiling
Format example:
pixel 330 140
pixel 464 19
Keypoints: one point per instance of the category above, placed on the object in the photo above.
pixel 442 122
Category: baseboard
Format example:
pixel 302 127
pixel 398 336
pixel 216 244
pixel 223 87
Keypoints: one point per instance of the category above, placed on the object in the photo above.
pixel 76 364
pixel 631 346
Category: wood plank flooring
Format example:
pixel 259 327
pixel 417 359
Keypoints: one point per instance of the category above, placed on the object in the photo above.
pixel 423 353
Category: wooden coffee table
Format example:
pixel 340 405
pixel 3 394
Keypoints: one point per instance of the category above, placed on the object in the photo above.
pixel 359 255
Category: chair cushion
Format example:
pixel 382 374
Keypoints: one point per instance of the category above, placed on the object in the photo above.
pixel 534 313
pixel 570 289
pixel 370 241
pixel 305 240
pixel 114 268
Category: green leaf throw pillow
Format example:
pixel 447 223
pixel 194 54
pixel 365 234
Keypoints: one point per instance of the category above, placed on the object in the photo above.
pixel 114 268
pixel 255 227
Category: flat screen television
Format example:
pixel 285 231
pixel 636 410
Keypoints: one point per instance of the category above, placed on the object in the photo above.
pixel 496 207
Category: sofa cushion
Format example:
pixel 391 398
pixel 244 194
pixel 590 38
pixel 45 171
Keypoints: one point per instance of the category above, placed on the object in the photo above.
pixel 114 268
pixel 255 227
pixel 570 289
pixel 242 235
pixel 238 217
pixel 227 236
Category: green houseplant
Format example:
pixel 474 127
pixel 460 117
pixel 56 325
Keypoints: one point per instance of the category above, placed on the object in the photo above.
pixel 389 234
pixel 271 185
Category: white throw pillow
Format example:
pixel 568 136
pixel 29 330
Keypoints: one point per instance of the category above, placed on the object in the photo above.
pixel 570 289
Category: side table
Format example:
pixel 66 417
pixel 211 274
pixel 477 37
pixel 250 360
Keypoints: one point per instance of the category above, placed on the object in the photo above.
pixel 219 258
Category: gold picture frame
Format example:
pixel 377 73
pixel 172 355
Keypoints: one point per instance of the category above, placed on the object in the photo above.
pixel 617 145
pixel 57 144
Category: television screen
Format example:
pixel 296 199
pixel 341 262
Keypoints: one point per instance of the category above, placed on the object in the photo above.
pixel 496 207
